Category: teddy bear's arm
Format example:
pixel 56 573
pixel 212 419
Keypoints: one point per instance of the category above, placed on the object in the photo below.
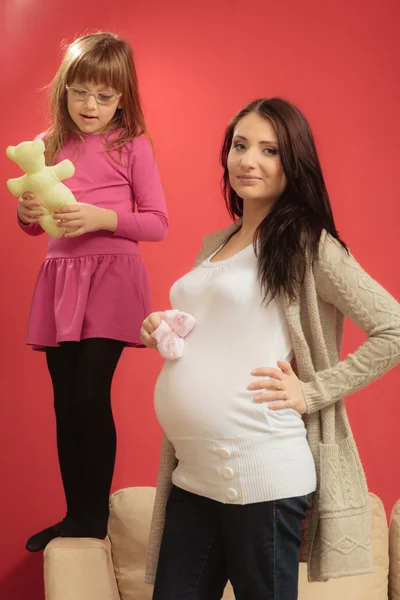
pixel 63 170
pixel 16 186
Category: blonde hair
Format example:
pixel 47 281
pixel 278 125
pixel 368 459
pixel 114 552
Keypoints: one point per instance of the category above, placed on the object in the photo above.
pixel 101 58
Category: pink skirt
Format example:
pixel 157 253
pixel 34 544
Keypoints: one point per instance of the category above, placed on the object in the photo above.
pixel 105 296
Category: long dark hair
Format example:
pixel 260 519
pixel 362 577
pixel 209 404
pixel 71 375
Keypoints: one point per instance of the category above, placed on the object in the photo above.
pixel 288 238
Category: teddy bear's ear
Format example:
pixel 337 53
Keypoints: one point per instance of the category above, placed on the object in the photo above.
pixel 11 152
pixel 39 145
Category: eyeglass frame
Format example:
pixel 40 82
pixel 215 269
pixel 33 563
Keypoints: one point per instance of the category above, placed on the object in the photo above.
pixel 116 96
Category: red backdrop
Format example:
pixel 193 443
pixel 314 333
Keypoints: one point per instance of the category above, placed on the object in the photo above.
pixel 198 63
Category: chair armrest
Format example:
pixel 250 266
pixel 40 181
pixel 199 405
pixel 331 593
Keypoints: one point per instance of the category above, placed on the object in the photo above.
pixel 79 568
pixel 394 553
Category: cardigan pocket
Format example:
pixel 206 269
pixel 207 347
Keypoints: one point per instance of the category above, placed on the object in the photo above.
pixel 342 482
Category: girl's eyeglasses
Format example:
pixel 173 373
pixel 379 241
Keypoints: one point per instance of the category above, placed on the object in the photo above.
pixel 80 94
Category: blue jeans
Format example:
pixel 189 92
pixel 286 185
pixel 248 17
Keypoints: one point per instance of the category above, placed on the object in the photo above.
pixel 206 543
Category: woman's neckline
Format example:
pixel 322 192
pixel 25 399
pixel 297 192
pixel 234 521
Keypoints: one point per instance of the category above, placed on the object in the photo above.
pixel 225 261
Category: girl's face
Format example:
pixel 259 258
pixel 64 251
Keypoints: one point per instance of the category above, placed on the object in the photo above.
pixel 254 165
pixel 89 113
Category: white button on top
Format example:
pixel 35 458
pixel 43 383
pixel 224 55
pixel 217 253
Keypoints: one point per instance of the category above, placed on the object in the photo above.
pixel 227 472
pixel 224 453
pixel 231 494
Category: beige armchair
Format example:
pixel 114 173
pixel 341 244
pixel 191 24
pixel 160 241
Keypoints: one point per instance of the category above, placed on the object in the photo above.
pixel 88 569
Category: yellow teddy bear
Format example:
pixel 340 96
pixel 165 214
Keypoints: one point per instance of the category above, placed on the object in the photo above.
pixel 44 182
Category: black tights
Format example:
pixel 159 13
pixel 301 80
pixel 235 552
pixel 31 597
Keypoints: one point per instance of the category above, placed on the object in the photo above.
pixel 82 374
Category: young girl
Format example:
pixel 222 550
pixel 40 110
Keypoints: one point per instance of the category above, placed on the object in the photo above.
pixel 239 466
pixel 92 291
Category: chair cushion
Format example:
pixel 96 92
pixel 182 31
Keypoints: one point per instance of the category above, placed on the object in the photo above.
pixel 394 553
pixel 128 529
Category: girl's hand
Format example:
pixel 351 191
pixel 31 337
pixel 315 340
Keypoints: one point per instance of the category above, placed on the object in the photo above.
pixel 28 209
pixel 283 386
pixel 85 218
pixel 148 326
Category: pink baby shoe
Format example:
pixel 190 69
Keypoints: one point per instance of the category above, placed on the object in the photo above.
pixel 175 325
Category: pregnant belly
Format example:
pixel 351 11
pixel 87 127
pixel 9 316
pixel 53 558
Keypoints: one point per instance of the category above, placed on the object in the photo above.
pixel 189 402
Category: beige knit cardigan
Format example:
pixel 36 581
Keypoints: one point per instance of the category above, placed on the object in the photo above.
pixel 336 541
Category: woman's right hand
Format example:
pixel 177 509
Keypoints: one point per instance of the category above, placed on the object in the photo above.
pixel 149 325
pixel 28 211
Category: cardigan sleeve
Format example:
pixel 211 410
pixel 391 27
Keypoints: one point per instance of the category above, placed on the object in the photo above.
pixel 342 282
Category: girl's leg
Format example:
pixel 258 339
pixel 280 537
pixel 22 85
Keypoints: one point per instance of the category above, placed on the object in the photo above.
pixel 96 364
pixel 82 374
pixel 191 565
pixel 61 362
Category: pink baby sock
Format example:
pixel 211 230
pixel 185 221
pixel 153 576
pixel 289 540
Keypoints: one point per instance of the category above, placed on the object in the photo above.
pixel 182 323
pixel 175 325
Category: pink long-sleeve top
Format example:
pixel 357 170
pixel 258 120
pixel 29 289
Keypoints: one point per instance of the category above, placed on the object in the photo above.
pixel 130 185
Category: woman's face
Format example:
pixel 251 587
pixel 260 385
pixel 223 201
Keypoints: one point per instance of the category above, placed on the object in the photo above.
pixel 254 165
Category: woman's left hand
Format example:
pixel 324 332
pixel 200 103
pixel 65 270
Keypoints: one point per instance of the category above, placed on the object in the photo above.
pixel 283 386
pixel 85 218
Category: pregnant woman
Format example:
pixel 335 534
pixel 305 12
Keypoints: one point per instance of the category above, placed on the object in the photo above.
pixel 255 425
